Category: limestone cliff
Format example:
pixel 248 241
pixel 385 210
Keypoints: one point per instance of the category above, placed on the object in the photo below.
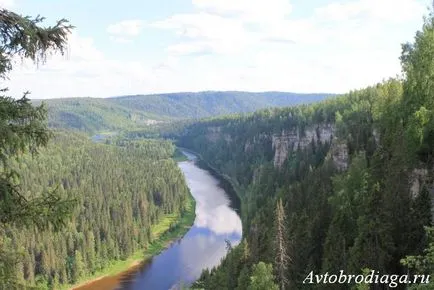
pixel 339 155
pixel 213 134
pixel 418 178
pixel 290 141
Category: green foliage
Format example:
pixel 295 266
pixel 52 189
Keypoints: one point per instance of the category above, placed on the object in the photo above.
pixel 343 170
pixel 423 264
pixel 418 103
pixel 78 266
pixel 22 36
pixel 138 112
pixel 262 277
pixel 23 129
pixel 365 214
pixel 122 191
pixel 96 115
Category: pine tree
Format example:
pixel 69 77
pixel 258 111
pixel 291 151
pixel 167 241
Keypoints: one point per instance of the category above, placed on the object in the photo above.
pixel 78 266
pixel 282 258
pixel 243 278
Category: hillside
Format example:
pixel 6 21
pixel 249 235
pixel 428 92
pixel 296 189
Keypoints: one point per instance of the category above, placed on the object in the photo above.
pixel 355 185
pixel 346 184
pixel 120 192
pixel 328 187
pixel 94 115
pixel 127 112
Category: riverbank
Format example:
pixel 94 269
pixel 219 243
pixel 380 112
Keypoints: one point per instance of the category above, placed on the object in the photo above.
pixel 170 228
pixel 232 187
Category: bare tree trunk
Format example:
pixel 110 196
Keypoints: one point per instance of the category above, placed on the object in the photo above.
pixel 282 258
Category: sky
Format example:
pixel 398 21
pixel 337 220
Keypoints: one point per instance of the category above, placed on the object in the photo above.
pixel 141 46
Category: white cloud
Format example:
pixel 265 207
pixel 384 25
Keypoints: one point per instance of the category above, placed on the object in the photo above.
pixel 126 28
pixel 204 32
pixel 119 39
pixel 85 71
pixel 239 45
pixel 338 47
pixel 248 10
pixel 7 4
pixel 83 48
pixel 385 10
pixel 221 22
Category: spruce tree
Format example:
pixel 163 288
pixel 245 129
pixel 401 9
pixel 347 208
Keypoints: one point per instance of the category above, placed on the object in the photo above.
pixel 23 129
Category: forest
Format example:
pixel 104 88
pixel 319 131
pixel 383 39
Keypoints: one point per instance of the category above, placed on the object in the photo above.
pixel 344 184
pixel 119 190
pixel 71 208
pixel 92 115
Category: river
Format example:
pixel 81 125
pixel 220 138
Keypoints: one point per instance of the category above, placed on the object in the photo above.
pixel 203 246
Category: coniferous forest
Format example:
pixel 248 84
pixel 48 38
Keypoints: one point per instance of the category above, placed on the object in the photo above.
pixel 119 193
pixel 345 184
pixel 342 184
pixel 70 207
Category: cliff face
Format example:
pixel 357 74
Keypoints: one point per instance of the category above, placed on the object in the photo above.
pixel 339 154
pixel 290 141
pixel 250 144
pixel 213 134
pixel 419 178
pixel 281 146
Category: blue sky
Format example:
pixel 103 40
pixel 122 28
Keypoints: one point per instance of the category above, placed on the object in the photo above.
pixel 138 47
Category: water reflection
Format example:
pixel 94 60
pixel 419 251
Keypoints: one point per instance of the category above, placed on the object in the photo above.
pixel 202 247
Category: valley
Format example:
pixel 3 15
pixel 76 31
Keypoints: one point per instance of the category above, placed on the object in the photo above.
pixel 206 190
pixel 133 112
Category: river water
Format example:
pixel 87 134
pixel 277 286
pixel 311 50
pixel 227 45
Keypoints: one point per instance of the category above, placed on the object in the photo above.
pixel 203 246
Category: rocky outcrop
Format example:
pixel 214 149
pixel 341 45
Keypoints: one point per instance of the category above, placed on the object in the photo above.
pixel 376 136
pixel 290 141
pixel 418 178
pixel 339 155
pixel 213 134
pixel 248 147
pixel 281 146
pixel 227 138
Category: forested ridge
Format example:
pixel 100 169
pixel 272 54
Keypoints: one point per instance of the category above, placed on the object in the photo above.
pixel 128 112
pixel 70 208
pixel 345 184
pixel 120 191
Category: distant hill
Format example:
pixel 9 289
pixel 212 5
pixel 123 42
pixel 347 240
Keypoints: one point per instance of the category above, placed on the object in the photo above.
pixel 127 112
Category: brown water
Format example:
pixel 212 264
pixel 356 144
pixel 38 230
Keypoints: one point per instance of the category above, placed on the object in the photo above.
pixel 202 247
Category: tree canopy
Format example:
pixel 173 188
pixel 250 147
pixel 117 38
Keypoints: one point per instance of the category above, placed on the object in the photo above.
pixel 23 128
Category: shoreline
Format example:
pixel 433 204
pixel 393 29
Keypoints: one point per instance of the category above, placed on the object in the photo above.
pixel 235 188
pixel 111 276
pixel 164 239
